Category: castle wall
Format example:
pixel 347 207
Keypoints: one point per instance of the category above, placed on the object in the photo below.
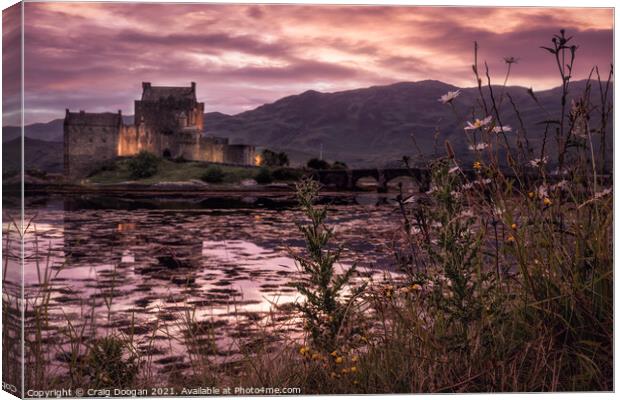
pixel 239 154
pixel 212 149
pixel 129 141
pixel 90 141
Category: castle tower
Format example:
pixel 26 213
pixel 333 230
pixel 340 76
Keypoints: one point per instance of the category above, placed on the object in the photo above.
pixel 170 114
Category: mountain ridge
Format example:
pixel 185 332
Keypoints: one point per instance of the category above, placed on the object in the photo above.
pixel 365 126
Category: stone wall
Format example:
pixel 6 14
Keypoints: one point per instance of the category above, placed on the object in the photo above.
pixel 240 154
pixel 90 141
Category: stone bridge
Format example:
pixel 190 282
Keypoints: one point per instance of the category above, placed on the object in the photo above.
pixel 346 179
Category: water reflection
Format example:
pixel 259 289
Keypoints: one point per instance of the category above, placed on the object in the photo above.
pixel 136 265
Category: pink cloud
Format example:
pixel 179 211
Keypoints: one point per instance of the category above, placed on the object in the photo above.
pixel 94 55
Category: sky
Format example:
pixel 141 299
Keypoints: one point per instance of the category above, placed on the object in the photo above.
pixel 94 56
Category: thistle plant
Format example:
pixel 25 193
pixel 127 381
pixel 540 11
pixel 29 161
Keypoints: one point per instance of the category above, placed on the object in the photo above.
pixel 330 298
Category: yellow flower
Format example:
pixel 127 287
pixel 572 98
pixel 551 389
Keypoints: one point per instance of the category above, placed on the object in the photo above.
pixel 355 382
pixel 303 350
pixel 339 360
pixel 477 166
pixel 353 369
pixel 531 195
pixel 416 287
pixel 345 371
pixel 334 375
pixel 510 239
pixel 513 226
pixel 334 353
pixel 316 356
pixel 354 358
pixel 547 201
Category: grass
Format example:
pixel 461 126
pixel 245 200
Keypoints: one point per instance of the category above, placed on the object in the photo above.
pixel 169 171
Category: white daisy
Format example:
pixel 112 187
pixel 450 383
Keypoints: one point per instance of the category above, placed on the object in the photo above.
pixel 478 123
pixel 449 97
pixel 539 162
pixel 500 129
pixel 478 146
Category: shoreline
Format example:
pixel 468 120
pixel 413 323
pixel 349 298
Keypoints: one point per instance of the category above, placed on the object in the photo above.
pixel 167 189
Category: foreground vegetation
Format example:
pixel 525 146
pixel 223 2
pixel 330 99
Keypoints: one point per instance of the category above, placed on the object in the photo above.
pixel 505 284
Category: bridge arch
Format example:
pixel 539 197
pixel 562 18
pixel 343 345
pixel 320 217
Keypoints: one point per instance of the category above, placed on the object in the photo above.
pixel 348 179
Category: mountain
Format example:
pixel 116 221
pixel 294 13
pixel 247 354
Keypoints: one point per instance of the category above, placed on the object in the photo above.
pixel 50 131
pixel 378 125
pixel 373 126
pixel 39 154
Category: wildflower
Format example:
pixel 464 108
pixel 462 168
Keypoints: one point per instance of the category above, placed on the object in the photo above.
pixel 559 171
pixel 334 353
pixel 477 166
pixel 353 369
pixel 531 195
pixel 561 185
pixel 511 60
pixel 510 239
pixel 432 189
pixel 468 186
pixel 316 357
pixel 478 146
pixel 303 350
pixel 453 170
pixel 543 192
pixel 334 375
pixel 409 199
pixel 345 371
pixel 449 97
pixel 547 201
pixel 603 193
pixel 354 359
pixel 500 129
pixel 416 287
pixel 478 123
pixel 355 382
pixel 338 360
pixel 539 162
pixel 513 226
pixel 467 214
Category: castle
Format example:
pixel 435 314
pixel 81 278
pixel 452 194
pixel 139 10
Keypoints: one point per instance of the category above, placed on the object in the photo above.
pixel 168 122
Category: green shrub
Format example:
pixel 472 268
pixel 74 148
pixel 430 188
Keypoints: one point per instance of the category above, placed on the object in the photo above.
pixel 286 174
pixel 339 165
pixel 213 174
pixel 110 362
pixel 315 163
pixel 143 165
pixel 327 308
pixel 274 159
pixel 264 176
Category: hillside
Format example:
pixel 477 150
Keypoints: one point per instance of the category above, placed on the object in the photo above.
pixel 375 126
pixel 39 154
